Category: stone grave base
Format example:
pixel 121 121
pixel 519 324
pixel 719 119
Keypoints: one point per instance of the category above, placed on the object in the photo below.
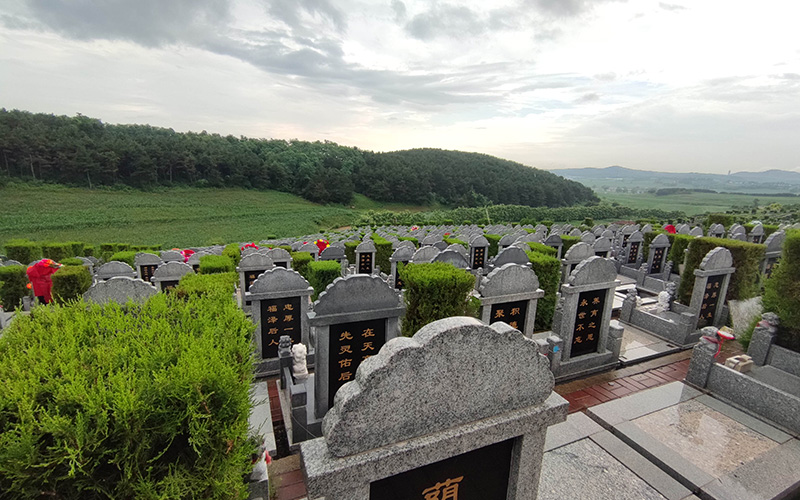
pixel 679 442
pixel 639 345
pixel 271 367
pixel 298 415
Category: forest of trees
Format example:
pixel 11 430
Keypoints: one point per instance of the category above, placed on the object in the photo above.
pixel 83 151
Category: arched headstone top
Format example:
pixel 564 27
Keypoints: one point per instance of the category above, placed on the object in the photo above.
pixel 171 270
pixel 431 239
pixel 332 253
pixel 280 280
pixel 255 261
pixel 511 255
pixel 310 248
pixel 588 237
pixel 366 246
pixel 607 234
pixel 593 270
pixel 554 240
pixel 479 241
pixel 509 279
pixel 660 241
pixel 279 254
pixel 121 290
pixel 117 268
pixel 458 247
pixel 774 241
pixel 402 254
pixel 507 240
pixel 347 295
pixel 579 251
pixel 452 257
pixel 467 351
pixel 425 254
pixel 718 258
pixel 407 244
pixel 171 256
pixel 696 231
pixel 146 259
pixel 575 232
pixel 636 236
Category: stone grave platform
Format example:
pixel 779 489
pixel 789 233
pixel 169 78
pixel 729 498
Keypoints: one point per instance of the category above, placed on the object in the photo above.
pixel 639 345
pixel 261 416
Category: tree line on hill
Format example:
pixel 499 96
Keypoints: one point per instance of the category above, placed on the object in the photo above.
pixel 84 151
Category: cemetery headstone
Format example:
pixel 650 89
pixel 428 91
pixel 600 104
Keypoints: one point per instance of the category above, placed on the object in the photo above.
pixel 478 251
pixel 602 247
pixel 249 269
pixel 172 256
pixel 774 245
pixel 400 257
pixel 169 274
pixel 120 290
pixel 555 241
pixel 659 250
pixel 633 255
pixel 756 234
pixel 312 249
pixel 576 254
pixel 280 258
pixel 510 294
pixel 365 257
pixel 711 286
pixel 511 255
pixel 146 264
pixel 452 257
pixel 114 269
pixel 424 254
pixel 332 253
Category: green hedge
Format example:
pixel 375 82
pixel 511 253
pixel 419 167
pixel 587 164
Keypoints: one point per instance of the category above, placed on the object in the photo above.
pixel 568 241
pixel 72 261
pixel 454 241
pixel 114 401
pixel 13 286
pixel 383 252
pixel 88 251
pixel 321 273
pixel 23 251
pixel 434 291
pixel 542 248
pixel 350 250
pixel 201 284
pixel 56 251
pixel 726 220
pixel 678 243
pixel 216 264
pixel 747 258
pixel 233 252
pixel 70 283
pixel 548 270
pixel 782 292
pixel 76 248
pixel 107 250
pixel 409 238
pixel 494 240
pixel 126 256
pixel 300 261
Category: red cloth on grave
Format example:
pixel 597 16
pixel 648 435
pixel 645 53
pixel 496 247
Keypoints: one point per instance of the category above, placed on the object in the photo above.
pixel 40 275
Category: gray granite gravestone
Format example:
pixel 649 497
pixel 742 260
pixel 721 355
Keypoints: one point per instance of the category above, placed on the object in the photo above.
pixel 624 234
pixel 146 264
pixel 350 321
pixel 659 251
pixel 506 241
pixel 576 254
pixel 310 248
pixel 633 249
pixel 279 303
pixel 716 231
pixel 458 247
pixel 171 256
pixel 602 247
pixel 737 232
pixel 452 257
pixel 249 269
pixel 774 245
pixel 425 254
pixel 365 257
pixel 555 241
pixel 583 339
pixel 435 416
pixel 478 252
pixel 401 256
pixel 696 231
pixel 121 290
pixel 114 269
pixel 510 294
pixel 756 234
pixel 588 237
pixel 440 245
pixel 168 275
pixel 711 286
pixel 511 255
pixel 280 258
pixel 194 260
pixel 430 240
pixel 333 253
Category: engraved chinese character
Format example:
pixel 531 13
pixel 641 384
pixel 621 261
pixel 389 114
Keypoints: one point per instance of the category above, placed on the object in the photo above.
pixel 368 347
pixel 714 295
pixel 584 303
pixel 705 297
pixel 716 285
pixel 515 311
pixel 704 306
pixel 345 349
pixel 592 325
pixel 594 313
pixel 288 307
pixel 581 315
pixel 596 300
pixel 708 287
pixel 287 318
pixel 344 363
pixel 579 328
pixel 272 331
pixel 578 340
pixel 709 315
pixel 590 336
pixel 345 336
pixel 272 319
pixel 272 309
pixel 345 376
pixel 447 490
pixel 499 313
pixel 273 342
pixel 368 333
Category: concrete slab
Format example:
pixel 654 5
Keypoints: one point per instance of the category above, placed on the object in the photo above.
pixel 577 426
pixel 639 345
pixel 640 404
pixel 778 379
pixel 261 416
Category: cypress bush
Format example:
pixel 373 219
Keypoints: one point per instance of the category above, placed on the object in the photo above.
pixel 215 264
pixel 454 241
pixel 126 256
pixel 321 273
pixel 678 243
pixel 747 258
pixel 568 241
pixel 494 240
pixel 201 284
pixel 56 251
pixel 72 261
pixel 13 286
pixel 138 401
pixel 542 248
pixel 76 248
pixel 434 291
pixel 548 270
pixel 726 220
pixel 350 250
pixel 300 262
pixel 383 252
pixel 70 283
pixel 409 238
pixel 23 251
pixel 88 251
pixel 233 252
pixel 782 292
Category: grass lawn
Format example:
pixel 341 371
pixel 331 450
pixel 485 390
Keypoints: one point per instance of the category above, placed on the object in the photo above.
pixel 176 217
pixel 694 203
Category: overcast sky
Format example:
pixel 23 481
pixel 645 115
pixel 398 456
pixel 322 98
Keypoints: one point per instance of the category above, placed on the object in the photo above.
pixel 702 85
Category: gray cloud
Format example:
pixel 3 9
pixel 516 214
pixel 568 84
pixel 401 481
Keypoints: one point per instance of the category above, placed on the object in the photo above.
pixel 289 11
pixel 587 98
pixel 564 8
pixel 399 9
pixel 446 21
pixel 671 7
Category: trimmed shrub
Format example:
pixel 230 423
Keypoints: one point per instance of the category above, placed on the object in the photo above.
pixel 726 220
pixel 542 248
pixel 288 248
pixel 13 286
pixel 678 243
pixel 76 248
pixel 136 401
pixel 453 241
pixel 568 241
pixel 434 291
pixel 233 252
pixel 548 270
pixel 200 284
pixel 782 292
pixel 126 256
pixel 383 252
pixel 747 258
pixel 300 262
pixel 56 251
pixel 321 273
pixel 215 264
pixel 109 249
pixel 88 251
pixel 350 250
pixel 409 238
pixel 23 251
pixel 494 240
pixel 70 283
pixel 72 261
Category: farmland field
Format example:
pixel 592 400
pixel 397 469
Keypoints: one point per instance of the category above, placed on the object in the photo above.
pixel 170 217
pixel 694 203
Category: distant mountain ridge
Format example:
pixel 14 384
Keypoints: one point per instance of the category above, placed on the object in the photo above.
pixel 768 180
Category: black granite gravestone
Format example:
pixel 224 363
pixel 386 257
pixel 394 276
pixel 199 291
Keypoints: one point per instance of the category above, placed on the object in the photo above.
pixel 633 253
pixel 512 313
pixel 398 281
pixel 168 285
pixel 365 263
pixel 350 344
pixel 481 474
pixel 479 257
pixel 147 271
pixel 279 317
pixel 589 317
pixel 711 299
pixel 250 277
pixel 658 260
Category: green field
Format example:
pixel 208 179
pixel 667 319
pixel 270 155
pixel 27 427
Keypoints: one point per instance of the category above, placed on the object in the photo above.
pixel 177 217
pixel 694 203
